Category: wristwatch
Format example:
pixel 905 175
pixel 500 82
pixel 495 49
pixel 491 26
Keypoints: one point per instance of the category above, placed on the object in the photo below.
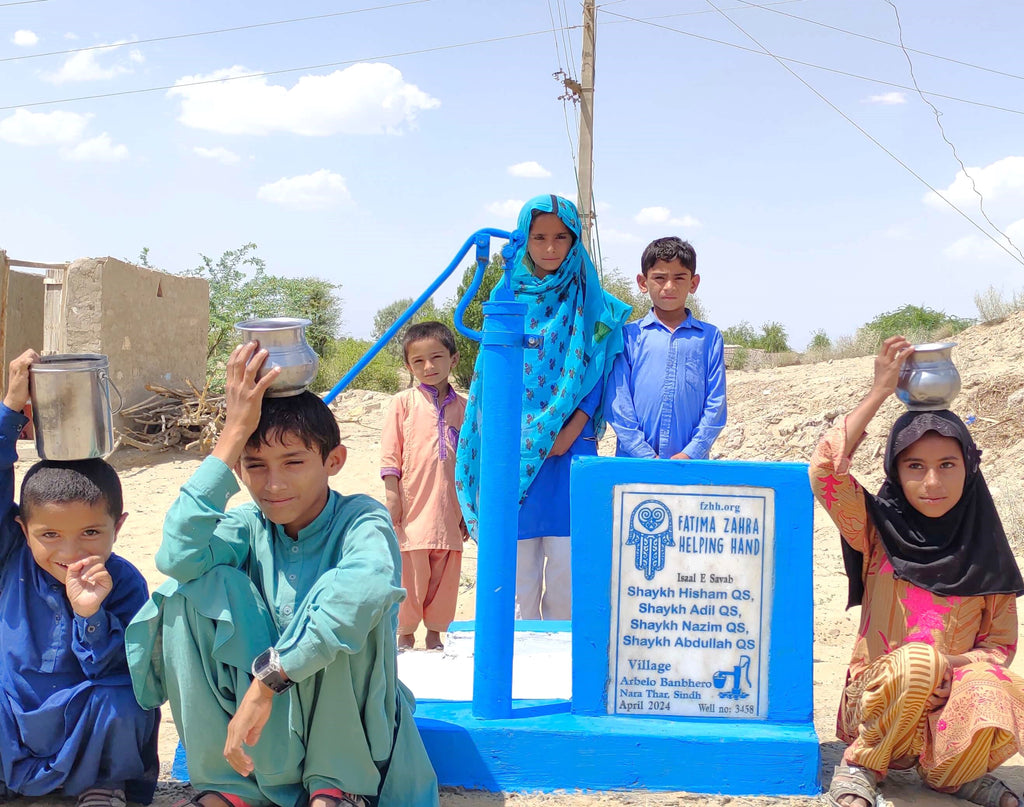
pixel 267 668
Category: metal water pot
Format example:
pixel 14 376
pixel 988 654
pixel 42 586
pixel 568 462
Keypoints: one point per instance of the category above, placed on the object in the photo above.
pixel 284 339
pixel 71 409
pixel 928 378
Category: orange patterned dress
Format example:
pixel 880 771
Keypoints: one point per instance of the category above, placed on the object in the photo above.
pixel 905 635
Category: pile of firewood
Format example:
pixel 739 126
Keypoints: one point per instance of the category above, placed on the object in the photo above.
pixel 189 419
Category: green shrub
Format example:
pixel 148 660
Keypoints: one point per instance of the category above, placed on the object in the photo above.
pixel 383 374
pixel 740 357
pixel 919 324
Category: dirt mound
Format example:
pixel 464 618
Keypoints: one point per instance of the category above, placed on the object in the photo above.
pixel 778 414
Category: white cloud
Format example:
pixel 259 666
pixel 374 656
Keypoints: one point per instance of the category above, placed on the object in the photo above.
pixel 979 248
pixel 603 207
pixel 71 35
pixel 1003 177
pixel 42 128
pixel 24 38
pixel 96 149
pixel 662 215
pixel 362 99
pixel 509 209
pixel 529 170
pixel 314 191
pixel 887 98
pixel 220 154
pixel 85 65
pixel 612 236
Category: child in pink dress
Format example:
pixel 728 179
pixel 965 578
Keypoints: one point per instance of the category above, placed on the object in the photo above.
pixel 417 446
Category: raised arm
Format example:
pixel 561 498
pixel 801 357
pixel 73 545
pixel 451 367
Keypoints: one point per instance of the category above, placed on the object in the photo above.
pixel 833 487
pixel 12 421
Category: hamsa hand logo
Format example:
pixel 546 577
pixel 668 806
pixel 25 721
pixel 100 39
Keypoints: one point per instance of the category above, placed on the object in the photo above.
pixel 650 531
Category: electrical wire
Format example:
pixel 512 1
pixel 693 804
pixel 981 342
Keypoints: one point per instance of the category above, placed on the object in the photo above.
pixel 264 73
pixel 864 132
pixel 847 74
pixel 942 131
pixel 170 37
pixel 554 36
pixel 765 7
pixel 23 3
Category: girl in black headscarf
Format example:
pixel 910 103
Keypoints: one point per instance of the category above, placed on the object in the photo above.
pixel 928 561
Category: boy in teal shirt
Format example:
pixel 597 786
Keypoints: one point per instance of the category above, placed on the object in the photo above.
pixel 274 641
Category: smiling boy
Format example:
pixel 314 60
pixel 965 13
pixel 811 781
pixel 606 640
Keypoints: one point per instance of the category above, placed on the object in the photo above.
pixel 274 640
pixel 69 721
pixel 667 388
pixel 417 449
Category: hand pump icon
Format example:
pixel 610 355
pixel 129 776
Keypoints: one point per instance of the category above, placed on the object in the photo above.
pixel 740 670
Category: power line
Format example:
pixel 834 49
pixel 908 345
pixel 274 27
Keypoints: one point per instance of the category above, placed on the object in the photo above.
pixel 765 7
pixel 942 131
pixel 864 132
pixel 203 33
pixel 23 3
pixel 847 74
pixel 264 73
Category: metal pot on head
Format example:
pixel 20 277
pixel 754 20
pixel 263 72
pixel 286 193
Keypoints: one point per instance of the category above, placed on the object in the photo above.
pixel 71 410
pixel 928 378
pixel 284 339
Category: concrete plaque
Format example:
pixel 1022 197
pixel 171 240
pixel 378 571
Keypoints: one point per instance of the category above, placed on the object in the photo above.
pixel 691 600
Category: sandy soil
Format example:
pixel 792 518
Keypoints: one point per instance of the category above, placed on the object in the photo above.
pixel 774 414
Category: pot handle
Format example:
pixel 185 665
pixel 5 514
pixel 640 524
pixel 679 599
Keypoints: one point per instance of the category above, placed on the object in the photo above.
pixel 120 398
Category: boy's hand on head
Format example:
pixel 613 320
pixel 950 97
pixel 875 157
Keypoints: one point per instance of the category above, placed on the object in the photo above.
pixel 247 725
pixel 88 584
pixel 17 394
pixel 243 399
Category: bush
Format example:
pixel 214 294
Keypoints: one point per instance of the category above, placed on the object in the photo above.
pixel 992 306
pixel 383 374
pixel 917 323
pixel 739 359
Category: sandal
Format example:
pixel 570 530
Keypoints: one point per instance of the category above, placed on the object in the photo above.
pixel 338 798
pixel 102 797
pixel 196 800
pixel 986 790
pixel 849 780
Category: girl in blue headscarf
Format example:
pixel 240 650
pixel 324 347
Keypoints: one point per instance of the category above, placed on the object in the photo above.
pixel 579 327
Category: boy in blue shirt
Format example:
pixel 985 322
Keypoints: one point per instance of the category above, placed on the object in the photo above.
pixel 666 392
pixel 69 721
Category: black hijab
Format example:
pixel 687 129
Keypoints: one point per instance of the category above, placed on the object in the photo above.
pixel 962 553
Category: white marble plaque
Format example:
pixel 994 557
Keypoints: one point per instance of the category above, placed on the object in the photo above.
pixel 691 600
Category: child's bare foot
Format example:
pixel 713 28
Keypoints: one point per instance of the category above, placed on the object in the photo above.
pixel 406 641
pixel 433 640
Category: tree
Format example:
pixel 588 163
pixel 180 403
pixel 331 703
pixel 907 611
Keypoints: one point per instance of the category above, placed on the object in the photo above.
pixel 618 284
pixel 819 341
pixel 773 338
pixel 742 334
pixel 240 289
pixel 389 314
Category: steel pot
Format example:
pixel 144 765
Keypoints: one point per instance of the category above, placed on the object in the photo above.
pixel 71 410
pixel 284 339
pixel 928 378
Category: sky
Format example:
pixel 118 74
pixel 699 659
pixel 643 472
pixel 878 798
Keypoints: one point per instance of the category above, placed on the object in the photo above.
pixel 381 134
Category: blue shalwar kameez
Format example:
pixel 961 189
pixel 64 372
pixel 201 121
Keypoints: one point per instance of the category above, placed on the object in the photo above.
pixel 328 602
pixel 68 717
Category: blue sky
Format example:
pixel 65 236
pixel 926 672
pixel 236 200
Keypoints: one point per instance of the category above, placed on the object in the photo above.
pixel 371 173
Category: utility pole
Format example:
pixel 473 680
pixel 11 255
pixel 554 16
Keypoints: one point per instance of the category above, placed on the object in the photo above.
pixel 586 96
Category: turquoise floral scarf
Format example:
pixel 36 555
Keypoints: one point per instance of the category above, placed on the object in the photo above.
pixel 579 327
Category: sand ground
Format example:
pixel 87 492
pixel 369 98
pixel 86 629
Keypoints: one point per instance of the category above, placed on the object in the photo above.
pixel 774 414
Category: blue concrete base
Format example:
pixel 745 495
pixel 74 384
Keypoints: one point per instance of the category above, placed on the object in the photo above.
pixel 545 747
